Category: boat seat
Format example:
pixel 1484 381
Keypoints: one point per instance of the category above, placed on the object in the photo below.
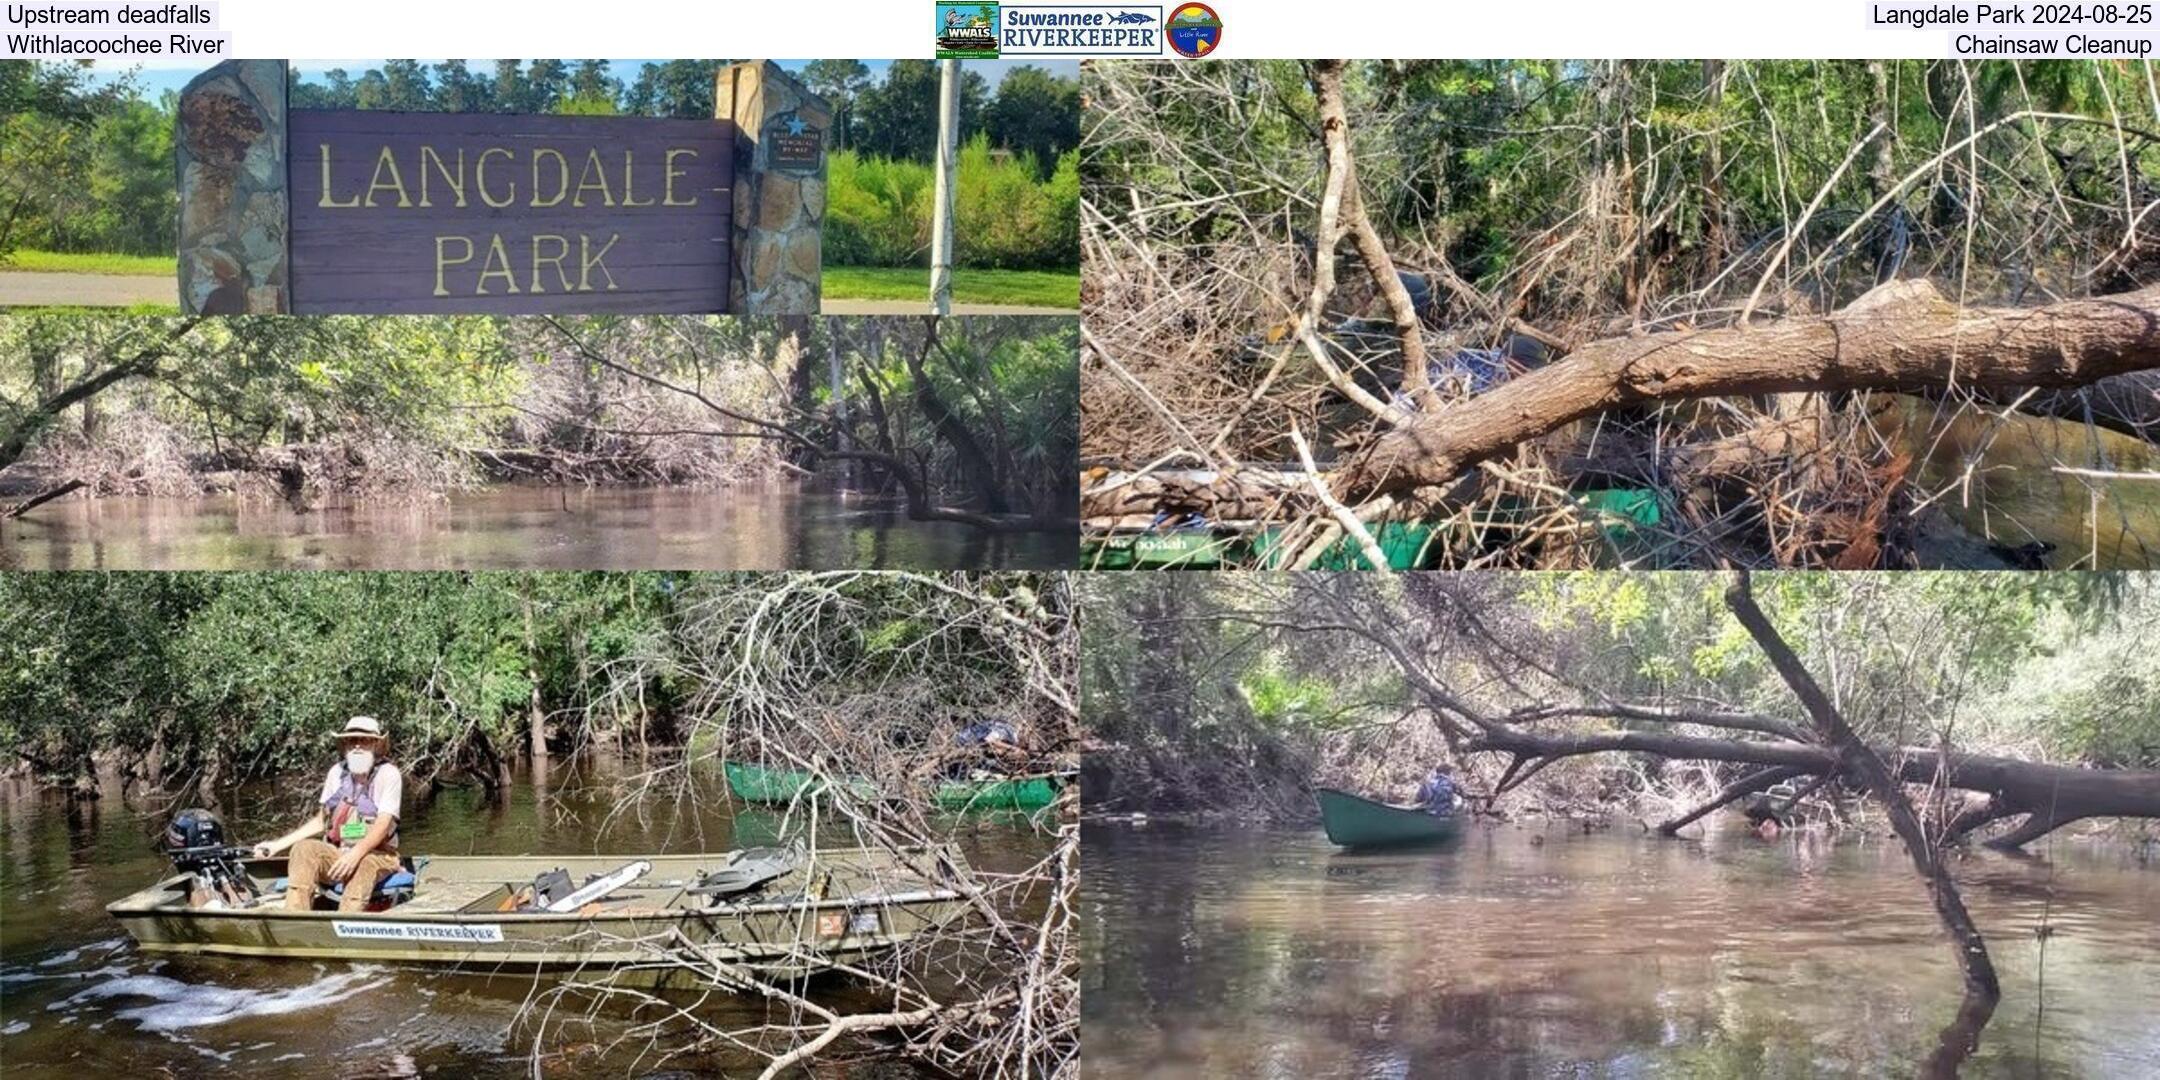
pixel 395 889
pixel 391 890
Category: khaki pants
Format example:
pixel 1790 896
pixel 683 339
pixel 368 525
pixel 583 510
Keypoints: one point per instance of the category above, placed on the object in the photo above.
pixel 309 864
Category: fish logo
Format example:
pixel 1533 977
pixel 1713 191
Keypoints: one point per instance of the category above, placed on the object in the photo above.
pixel 1195 30
pixel 1132 18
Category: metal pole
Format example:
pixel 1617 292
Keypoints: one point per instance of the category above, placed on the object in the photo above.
pixel 941 220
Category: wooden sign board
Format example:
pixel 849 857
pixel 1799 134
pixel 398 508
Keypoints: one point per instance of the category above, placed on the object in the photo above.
pixel 448 213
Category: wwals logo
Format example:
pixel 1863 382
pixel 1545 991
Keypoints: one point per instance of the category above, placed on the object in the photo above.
pixel 967 31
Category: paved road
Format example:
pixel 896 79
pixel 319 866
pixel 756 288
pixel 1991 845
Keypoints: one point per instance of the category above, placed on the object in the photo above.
pixel 121 290
pixel 20 287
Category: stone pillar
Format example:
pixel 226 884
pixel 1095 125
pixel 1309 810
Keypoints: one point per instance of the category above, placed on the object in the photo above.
pixel 780 136
pixel 234 202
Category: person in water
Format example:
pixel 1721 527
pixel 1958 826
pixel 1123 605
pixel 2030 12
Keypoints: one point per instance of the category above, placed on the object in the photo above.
pixel 1437 794
pixel 1763 821
pixel 353 837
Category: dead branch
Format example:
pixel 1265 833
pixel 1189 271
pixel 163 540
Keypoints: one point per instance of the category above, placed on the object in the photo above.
pixel 1861 762
pixel 779 677
pixel 41 498
pixel 1761 780
pixel 1327 82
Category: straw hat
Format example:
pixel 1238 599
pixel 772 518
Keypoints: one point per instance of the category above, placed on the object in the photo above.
pixel 363 727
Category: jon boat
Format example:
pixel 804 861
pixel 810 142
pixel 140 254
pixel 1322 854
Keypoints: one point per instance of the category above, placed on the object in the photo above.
pixel 1354 821
pixel 764 784
pixel 800 912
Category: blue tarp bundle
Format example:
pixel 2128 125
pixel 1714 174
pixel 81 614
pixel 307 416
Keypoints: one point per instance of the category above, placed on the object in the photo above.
pixel 1475 370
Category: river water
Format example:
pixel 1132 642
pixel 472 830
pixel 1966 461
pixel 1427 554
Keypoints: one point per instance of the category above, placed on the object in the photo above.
pixel 1519 953
pixel 514 528
pixel 78 1000
pixel 1999 478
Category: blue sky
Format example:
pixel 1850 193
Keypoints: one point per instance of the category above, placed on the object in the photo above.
pixel 156 81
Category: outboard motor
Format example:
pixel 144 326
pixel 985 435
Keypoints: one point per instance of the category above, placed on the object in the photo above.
pixel 195 842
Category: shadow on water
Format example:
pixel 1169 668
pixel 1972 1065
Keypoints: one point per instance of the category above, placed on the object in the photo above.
pixel 1513 953
pixel 773 527
pixel 77 998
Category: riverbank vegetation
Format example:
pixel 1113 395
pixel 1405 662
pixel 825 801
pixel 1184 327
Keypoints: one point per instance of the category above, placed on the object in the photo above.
pixel 86 163
pixel 176 687
pixel 1947 708
pixel 967 420
pixel 1652 313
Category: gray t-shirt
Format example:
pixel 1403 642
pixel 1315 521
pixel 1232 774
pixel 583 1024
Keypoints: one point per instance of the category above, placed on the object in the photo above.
pixel 385 785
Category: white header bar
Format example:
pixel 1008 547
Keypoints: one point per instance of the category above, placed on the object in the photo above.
pixel 1362 29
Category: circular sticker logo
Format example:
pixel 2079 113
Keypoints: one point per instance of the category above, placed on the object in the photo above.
pixel 1195 30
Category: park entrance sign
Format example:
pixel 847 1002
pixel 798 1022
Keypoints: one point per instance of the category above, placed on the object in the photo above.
pixel 370 212
pixel 444 212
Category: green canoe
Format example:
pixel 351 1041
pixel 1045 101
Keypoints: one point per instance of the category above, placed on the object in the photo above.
pixel 1407 545
pixel 1185 549
pixel 1622 515
pixel 760 784
pixel 1357 822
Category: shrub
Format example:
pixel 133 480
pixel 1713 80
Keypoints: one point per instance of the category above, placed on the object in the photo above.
pixel 878 211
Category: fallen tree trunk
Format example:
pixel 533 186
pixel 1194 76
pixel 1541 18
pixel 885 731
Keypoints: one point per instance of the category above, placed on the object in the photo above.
pixel 2051 796
pixel 1901 336
pixel 1224 495
pixel 2096 360
pixel 40 499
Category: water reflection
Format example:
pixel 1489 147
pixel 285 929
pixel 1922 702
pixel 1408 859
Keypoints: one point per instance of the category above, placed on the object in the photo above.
pixel 760 528
pixel 1249 954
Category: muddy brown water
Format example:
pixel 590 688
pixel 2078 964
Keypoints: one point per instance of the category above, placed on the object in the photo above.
pixel 78 999
pixel 507 528
pixel 1222 953
pixel 1996 477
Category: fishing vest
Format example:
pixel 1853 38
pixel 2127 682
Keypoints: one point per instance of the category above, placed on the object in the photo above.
pixel 352 810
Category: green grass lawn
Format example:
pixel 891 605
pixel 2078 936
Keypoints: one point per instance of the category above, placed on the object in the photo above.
pixel 77 309
pixel 1036 288
pixel 68 262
